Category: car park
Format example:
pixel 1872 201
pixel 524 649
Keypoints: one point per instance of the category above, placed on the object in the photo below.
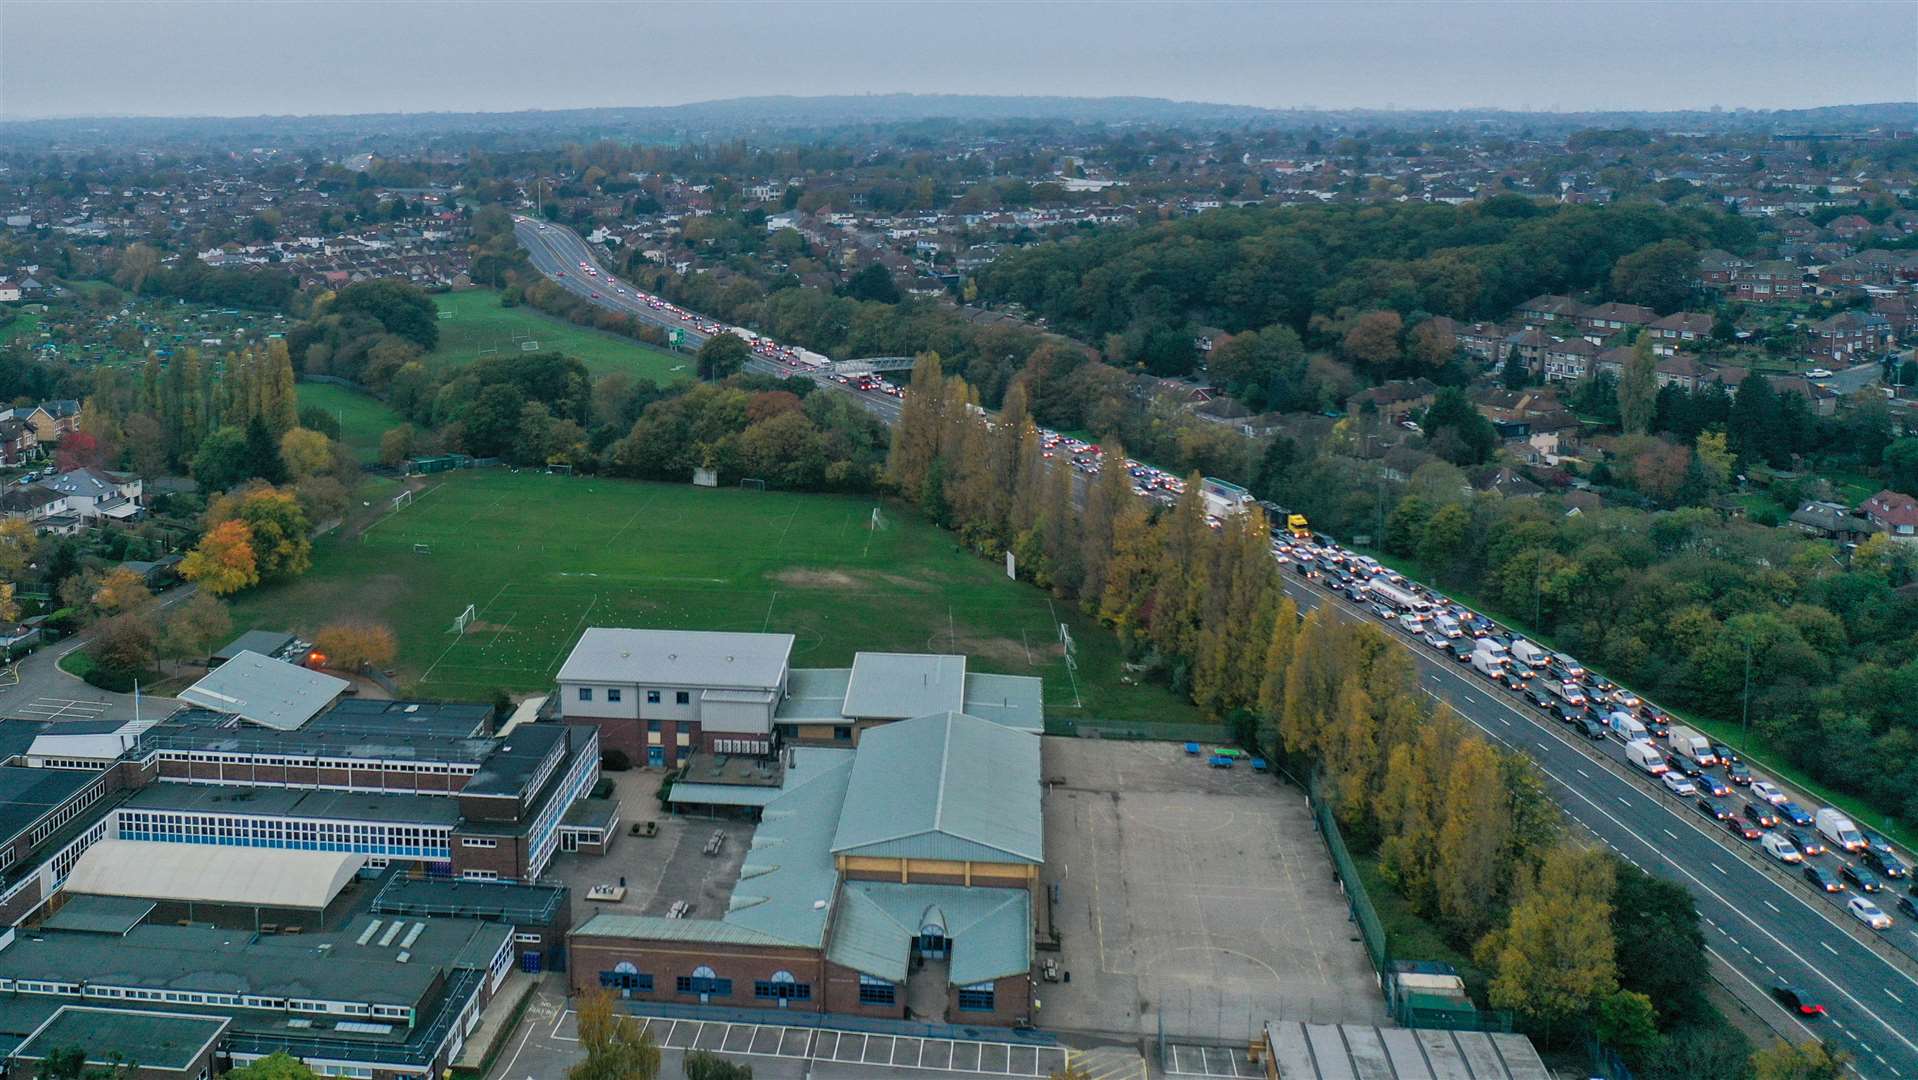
pixel 1823 880
pixel 1678 784
pixel 1868 913
pixel 1864 879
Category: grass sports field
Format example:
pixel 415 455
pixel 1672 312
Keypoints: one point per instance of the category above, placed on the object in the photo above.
pixel 542 557
pixel 363 419
pixel 473 324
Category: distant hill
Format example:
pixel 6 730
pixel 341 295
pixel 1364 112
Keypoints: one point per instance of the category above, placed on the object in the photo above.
pixel 739 117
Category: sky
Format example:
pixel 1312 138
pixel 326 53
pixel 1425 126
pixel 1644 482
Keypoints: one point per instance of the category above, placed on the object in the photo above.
pixel 254 57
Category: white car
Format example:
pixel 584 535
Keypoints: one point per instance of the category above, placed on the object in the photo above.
pixel 1679 784
pixel 1868 913
pixel 1769 792
pixel 1780 847
pixel 1818 373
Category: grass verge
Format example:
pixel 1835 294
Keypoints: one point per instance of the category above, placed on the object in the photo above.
pixel 473 324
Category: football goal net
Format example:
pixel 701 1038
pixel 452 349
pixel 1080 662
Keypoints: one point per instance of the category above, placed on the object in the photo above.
pixel 464 620
pixel 404 498
pixel 878 520
pixel 749 484
pixel 422 549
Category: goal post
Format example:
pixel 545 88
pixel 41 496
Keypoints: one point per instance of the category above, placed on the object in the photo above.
pixel 403 499
pixel 877 521
pixel 464 620
pixel 747 483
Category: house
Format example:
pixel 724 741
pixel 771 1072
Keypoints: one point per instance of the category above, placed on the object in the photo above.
pixel 1615 316
pixel 40 505
pixel 1900 311
pixel 17 440
pixel 93 494
pixel 1717 268
pixel 1540 310
pixel 1823 399
pixel 1528 347
pixel 1503 480
pixel 51 419
pixel 1769 282
pixel 1486 341
pixel 9 291
pixel 1612 361
pixel 1569 359
pixel 1833 521
pixel 1679 328
pixel 1395 401
pixel 1850 336
pixel 1681 370
pixel 1894 512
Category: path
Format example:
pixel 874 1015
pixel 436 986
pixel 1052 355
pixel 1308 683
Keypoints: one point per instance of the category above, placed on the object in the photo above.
pixel 45 692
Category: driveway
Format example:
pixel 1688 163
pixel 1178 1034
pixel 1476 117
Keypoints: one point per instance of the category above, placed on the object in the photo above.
pixel 44 692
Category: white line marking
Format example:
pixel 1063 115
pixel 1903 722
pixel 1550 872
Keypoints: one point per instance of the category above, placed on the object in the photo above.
pixel 1894 997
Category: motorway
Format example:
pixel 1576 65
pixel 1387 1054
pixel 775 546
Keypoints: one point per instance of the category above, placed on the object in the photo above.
pixel 1761 928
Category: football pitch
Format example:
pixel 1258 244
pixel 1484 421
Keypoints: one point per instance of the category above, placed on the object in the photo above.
pixel 540 558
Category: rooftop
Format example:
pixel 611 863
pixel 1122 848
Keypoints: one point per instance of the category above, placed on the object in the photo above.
pixel 991 929
pixel 520 904
pixel 271 693
pixel 111 1036
pixel 509 768
pixel 1015 701
pixel 814 694
pixel 945 786
pixel 895 686
pixel 211 874
pixel 264 642
pixel 100 914
pixel 355 736
pixel 297 803
pixel 26 795
pixel 679 658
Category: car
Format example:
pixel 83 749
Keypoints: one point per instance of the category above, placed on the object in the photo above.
pixel 1711 784
pixel 1761 815
pixel 1795 999
pixel 1807 841
pixel 1818 373
pixel 1678 784
pixel 1794 813
pixel 1713 809
pixel 1567 714
pixel 1861 877
pixel 1878 843
pixel 1779 847
pixel 1766 790
pixel 1888 865
pixel 1907 906
pixel 1743 829
pixel 1434 639
pixel 1823 880
pixel 1593 729
pixel 1538 696
pixel 1724 753
pixel 1462 649
pixel 1868 913
pixel 1684 763
pixel 1738 773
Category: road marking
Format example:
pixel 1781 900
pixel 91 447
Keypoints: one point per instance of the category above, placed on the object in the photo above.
pixel 1826 945
pixel 1771 905
pixel 1894 997
pixel 1669 833
pixel 1582 773
pixel 1720 869
pixel 1622 801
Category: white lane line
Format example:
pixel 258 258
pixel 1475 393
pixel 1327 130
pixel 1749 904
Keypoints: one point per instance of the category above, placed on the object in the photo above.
pixel 1721 869
pixel 1894 997
pixel 1669 833
pixel 1826 945
pixel 1771 905
pixel 1582 772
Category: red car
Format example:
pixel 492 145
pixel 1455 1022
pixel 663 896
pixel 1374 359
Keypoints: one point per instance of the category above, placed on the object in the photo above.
pixel 1792 998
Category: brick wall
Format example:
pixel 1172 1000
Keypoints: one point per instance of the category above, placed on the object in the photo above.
pixel 1011 1003
pixel 666 961
pixel 842 996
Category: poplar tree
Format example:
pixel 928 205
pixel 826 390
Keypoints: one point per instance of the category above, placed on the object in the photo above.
pixel 1476 824
pixel 1553 961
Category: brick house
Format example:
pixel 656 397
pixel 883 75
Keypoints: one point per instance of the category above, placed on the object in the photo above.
pixel 1682 371
pixel 1850 336
pixel 1894 512
pixel 1569 359
pixel 1717 268
pixel 17 440
pixel 1678 329
pixel 1614 316
pixel 1486 341
pixel 1548 308
pixel 1767 282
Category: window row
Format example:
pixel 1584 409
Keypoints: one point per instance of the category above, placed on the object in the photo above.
pixel 280 761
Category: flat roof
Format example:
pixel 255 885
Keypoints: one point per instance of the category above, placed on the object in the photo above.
pixel 814 694
pixel 514 761
pixel 171 1041
pixel 100 914
pixel 264 642
pixel 440 719
pixel 517 903
pixel 17 735
pixel 296 803
pixel 218 733
pixel 705 658
pixel 268 692
pixel 213 874
pixel 1343 1051
pixel 1015 701
pixel 898 686
pixel 26 794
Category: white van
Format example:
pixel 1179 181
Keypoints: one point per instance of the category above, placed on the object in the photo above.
pixel 1646 756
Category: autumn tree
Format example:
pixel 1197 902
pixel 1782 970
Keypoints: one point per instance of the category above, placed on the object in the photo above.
pixel 17 541
pixel 223 561
pixel 396 444
pixel 616 1048
pixel 306 452
pixel 194 627
pixel 279 529
pixel 121 590
pixel 1638 388
pixel 1809 1060
pixel 1373 339
pixel 351 646
pixel 1553 960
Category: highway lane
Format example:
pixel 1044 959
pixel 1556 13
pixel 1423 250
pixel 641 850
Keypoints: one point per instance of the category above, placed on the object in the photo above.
pixel 1761 927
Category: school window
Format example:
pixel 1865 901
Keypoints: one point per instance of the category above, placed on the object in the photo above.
pixel 627 980
pixel 976 998
pixel 703 981
pixel 782 986
pixel 652 697
pixel 842 733
pixel 612 694
pixel 586 693
pixel 682 697
pixel 653 725
pixel 876 991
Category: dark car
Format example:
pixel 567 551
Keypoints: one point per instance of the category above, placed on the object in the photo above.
pixel 1658 729
pixel 1461 649
pixel 1743 829
pixel 1861 877
pixel 1794 999
pixel 1761 815
pixel 1537 696
pixel 1712 808
pixel 1683 763
pixel 1806 841
pixel 1907 907
pixel 1723 752
pixel 1567 714
pixel 1739 773
pixel 1712 785
pixel 1592 728
pixel 1888 865
pixel 1795 814
pixel 1823 879
pixel 1878 843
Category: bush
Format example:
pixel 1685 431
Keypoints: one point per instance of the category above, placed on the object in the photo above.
pixel 701 1065
pixel 614 760
pixel 113 680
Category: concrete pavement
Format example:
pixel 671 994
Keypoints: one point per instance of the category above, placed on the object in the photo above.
pixel 44 692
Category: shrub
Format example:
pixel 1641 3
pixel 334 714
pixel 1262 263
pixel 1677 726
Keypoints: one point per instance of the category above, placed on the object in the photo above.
pixel 615 761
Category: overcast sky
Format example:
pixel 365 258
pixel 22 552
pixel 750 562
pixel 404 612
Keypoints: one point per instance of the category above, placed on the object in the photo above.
pixel 252 57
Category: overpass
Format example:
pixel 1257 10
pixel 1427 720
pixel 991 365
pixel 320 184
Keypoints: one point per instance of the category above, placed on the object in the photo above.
pixel 873 365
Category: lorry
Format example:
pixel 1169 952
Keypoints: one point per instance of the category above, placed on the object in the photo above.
pixel 1223 498
pixel 1834 826
pixel 1693 745
pixel 1529 654
pixel 1566 691
pixel 1644 754
pixel 1624 728
pixel 1402 599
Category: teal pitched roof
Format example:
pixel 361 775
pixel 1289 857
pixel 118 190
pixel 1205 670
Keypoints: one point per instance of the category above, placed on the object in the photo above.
pixel 785 888
pixel 990 929
pixel 894 686
pixel 944 786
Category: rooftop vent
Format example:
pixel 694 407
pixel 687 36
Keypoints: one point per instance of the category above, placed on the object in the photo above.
pixel 819 905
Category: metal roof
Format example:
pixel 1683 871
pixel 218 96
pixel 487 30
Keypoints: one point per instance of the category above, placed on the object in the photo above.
pixel 814 694
pixel 990 929
pixel 947 786
pixel 156 1040
pixel 100 914
pixel 660 928
pixel 894 686
pixel 1343 1051
pixel 210 874
pixel 1017 701
pixel 264 642
pixel 786 883
pixel 245 801
pixel 271 693
pixel 678 658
